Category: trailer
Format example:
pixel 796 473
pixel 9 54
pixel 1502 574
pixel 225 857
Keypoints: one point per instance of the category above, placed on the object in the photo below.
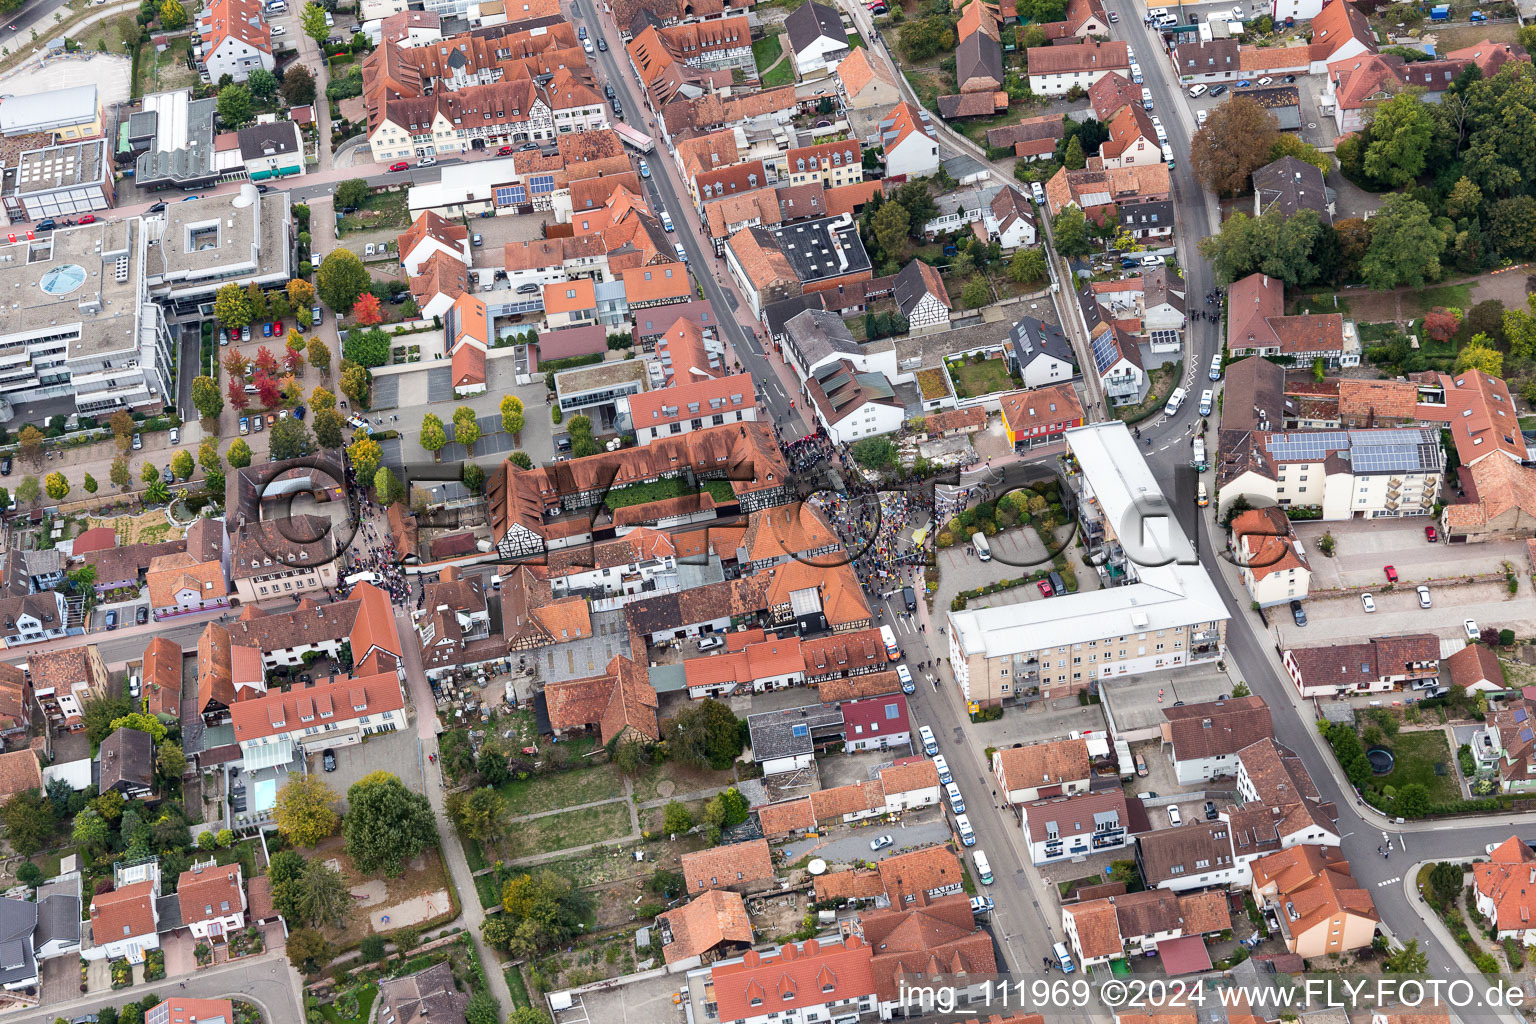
pixel 639 140
pixel 1440 12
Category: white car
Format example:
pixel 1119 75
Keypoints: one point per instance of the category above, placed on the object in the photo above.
pixel 1237 14
pixel 1173 816
pixel 1207 399
pixel 881 842
pixel 1368 602
pixel 1470 625
pixel 1130 54
pixel 1037 192
pixel 1200 116
pixel 1266 80
pixel 1423 593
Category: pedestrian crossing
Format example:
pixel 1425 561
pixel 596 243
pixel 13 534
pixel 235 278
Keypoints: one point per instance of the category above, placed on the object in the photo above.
pixel 1390 881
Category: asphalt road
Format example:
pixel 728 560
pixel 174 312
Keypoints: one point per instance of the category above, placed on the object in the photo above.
pixel 267 981
pixel 38 15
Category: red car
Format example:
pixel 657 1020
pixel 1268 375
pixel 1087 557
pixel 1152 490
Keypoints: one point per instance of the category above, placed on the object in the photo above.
pixel 1045 588
pixel 234 334
pixel 1391 573
pixel 1430 534
pixel 277 328
pixel 504 151
pixel 401 166
pixel 89 218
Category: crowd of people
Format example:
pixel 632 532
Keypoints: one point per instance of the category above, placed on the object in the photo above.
pixel 373 550
pixel 877 528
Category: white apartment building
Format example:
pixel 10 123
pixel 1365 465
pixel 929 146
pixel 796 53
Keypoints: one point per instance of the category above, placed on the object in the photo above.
pixel 275 728
pixel 78 323
pixel 1158 609
pixel 197 246
pixel 1349 474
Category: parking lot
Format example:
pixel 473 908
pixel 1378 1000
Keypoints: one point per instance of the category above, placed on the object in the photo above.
pixel 396 752
pixel 1362 549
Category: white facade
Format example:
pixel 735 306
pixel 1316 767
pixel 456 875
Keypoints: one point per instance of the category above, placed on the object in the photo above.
pixel 869 420
pixel 1068 843
pixel 1299 10
pixel 29 629
pixel 237 58
pixel 929 312
pixel 372 10
pixel 1061 83
pixel 1044 369
pixel 423 250
pixel 1341 494
pixel 1193 770
pixel 915 156
pixel 911 799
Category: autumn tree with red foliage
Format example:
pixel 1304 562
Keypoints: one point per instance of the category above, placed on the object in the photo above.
pixel 268 390
pixel 1440 324
pixel 293 361
pixel 266 362
pixel 236 392
pixel 366 311
pixel 234 364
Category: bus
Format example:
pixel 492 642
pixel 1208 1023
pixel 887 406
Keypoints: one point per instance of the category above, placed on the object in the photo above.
pixel 639 140
pixel 889 636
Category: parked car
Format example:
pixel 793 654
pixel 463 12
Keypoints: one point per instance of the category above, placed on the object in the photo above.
pixel 245 333
pixel 1298 613
pixel 1174 818
pixel 260 424
pixel 1141 766
pixel 645 169
pixel 315 316
pixel 175 435
pixel 477 240
pixel 905 675
pixel 1368 602
pixel 46 224
pixel 1430 534
pixel 1423 593
pixel 1470 626
pixel 112 618
pixel 709 643
pixel 1391 573
pixel 1210 810
pixel 400 165
pixel 1289 79
pixel 141 616
pixel 157 208
pixel 266 328
pixel 527 289
pixel 602 44
pixel 1114 19
pixel 1217 90
pixel 1045 588
pixel 1243 83
pixel 881 842
pixel 245 424
pixel 277 328
pixel 89 218
pixel 5 466
pixel 504 151
pixel 328 760
pixel 138 442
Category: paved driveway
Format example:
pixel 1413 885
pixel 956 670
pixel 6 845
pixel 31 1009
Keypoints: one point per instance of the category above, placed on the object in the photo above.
pixel 1362 548
pixel 60 980
pixel 847 845
pixel 1398 611
pixel 396 752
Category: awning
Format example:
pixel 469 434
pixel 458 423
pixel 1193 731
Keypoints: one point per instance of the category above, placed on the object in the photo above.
pixel 259 175
pixel 268 755
pixel 1186 955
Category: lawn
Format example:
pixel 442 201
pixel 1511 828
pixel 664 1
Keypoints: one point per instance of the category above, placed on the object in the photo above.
pixel 365 997
pixel 565 789
pixel 574 828
pixel 640 494
pixel 382 210
pixel 1458 295
pixel 855 40
pixel 515 986
pixel 1417 754
pixel 488 889
pixel 981 378
pixel 767 50
pixel 683 778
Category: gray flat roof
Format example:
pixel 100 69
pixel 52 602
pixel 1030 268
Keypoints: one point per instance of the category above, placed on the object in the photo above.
pixel 44 111
pixel 93 277
pixel 74 163
pixel 821 249
pixel 204 241
pixel 787 732
pixel 600 375
pixel 1133 700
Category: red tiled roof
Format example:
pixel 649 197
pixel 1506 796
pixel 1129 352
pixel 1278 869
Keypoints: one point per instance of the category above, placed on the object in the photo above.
pixel 808 974
pixel 123 913
pixel 348 698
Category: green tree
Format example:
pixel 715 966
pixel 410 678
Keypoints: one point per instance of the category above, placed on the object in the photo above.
pixel 1027 265
pixel 91 831
pixel 299 84
pixel 30 440
pixel 206 396
pixel 1400 133
pixel 328 428
pixel 304 810
pixel 388 486
pixel 308 951
pixel 875 453
pixel 321 896
pixel 542 909
pixel 356 384
pixel 523 1015
pixel 1479 354
pixel 1235 142
pixel 313 19
pixel 482 1008
pixel 1406 959
pixel 89 483
pixel 353 192
pixel 1071 232
pixel 235 106
pixel 583 443
pixel 1241 690
pixel 173 16
pixel 208 455
pixel 675 819
pixel 1405 245
pixel 1512 226
pixel 181 465
pixel 1445 881
pixel 56 486
pixel 482 815
pixel 239 454
pixel 119 474
pixel 512 420
pixel 318 354
pixel 521 460
pixel 29 822
pixel 171 760
pixel 890 225
pixel 365 454
pixel 371 949
pixel 140 722
pixel 1073 158
pixel 28 491
pixel 466 429
pixel 705 734
pixel 262 83
pixel 1464 200
pixel 975 294
pixel 290 439
pixel 232 306
pixel 1273 244
pixel 1287 144
pixel 433 435
pixel 386 824
pixel 341 278
pixel 926 37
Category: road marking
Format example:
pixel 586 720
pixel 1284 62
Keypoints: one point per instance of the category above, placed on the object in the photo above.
pixel 1390 881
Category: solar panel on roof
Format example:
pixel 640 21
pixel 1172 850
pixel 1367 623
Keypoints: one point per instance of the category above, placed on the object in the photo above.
pixel 836 382
pixel 1520 714
pixel 823 372
pixel 841 400
pixel 1526 735
pixel 1105 352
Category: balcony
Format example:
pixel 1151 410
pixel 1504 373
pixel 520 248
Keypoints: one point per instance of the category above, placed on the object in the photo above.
pixel 1391 506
